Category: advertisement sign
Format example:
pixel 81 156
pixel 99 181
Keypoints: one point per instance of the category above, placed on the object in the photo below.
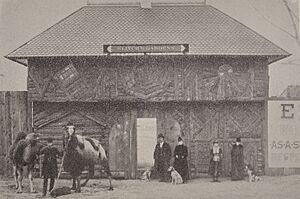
pixel 147 48
pixel 284 133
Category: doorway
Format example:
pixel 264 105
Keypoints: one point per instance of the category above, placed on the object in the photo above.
pixel 146 141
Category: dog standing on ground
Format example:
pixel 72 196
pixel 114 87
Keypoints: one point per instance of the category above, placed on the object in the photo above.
pixel 146 175
pixel 176 177
pixel 251 176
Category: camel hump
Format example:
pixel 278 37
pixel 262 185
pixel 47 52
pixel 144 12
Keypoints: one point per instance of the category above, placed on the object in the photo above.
pixel 90 140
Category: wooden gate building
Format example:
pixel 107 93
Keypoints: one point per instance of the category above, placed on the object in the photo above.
pixel 199 72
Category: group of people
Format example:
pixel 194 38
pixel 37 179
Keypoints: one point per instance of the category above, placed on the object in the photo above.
pixel 163 156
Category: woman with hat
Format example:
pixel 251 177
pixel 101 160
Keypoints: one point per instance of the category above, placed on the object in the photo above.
pixel 237 160
pixel 180 163
pixel 215 166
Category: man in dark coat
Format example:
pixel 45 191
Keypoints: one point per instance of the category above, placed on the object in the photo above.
pixel 215 166
pixel 49 165
pixel 237 161
pixel 180 163
pixel 162 157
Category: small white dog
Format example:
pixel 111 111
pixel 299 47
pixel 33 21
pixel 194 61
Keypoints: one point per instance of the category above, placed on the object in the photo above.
pixel 176 177
pixel 251 176
pixel 146 175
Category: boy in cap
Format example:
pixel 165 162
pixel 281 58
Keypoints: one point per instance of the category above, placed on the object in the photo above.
pixel 49 165
pixel 162 157
pixel 215 161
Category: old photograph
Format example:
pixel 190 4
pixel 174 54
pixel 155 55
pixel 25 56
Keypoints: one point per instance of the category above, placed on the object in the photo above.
pixel 150 99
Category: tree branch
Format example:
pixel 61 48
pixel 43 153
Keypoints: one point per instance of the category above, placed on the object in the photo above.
pixel 292 18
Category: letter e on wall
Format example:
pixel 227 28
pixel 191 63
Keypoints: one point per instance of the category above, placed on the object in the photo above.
pixel 287 111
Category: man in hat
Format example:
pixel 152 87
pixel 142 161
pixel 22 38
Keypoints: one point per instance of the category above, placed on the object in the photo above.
pixel 180 163
pixel 49 165
pixel 237 160
pixel 215 166
pixel 162 157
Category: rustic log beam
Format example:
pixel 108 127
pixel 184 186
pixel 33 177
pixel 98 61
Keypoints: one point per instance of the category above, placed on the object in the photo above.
pixel 54 119
pixel 93 119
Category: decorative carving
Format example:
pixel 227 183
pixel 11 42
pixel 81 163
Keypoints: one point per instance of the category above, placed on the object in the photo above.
pixel 203 121
pixel 149 79
pixel 245 120
pixel 199 157
pixel 72 83
pixel 107 84
pixel 226 84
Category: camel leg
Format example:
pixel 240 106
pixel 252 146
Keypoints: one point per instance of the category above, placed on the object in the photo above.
pixel 31 182
pixel 20 178
pixel 74 183
pixel 110 184
pixel 78 188
pixel 107 170
pixel 15 176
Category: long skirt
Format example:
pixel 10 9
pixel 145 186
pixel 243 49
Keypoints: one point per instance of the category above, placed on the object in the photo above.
pixel 181 166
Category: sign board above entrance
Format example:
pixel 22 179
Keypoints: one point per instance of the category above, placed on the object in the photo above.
pixel 145 48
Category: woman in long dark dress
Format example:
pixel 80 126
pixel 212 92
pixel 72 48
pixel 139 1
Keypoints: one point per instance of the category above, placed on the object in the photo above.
pixel 237 161
pixel 180 163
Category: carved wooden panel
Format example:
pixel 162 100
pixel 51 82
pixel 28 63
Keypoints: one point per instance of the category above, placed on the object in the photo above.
pixel 71 82
pixel 225 122
pixel 245 120
pixel 147 78
pixel 204 121
pixel 199 155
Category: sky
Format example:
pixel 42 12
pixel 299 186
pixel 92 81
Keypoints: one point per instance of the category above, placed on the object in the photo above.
pixel 21 20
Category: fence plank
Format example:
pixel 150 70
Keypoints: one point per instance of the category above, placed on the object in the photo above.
pixel 13 118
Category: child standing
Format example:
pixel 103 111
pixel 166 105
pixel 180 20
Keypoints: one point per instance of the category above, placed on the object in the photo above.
pixel 49 165
pixel 215 161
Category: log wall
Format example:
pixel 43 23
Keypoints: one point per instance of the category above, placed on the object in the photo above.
pixel 114 124
pixel 148 78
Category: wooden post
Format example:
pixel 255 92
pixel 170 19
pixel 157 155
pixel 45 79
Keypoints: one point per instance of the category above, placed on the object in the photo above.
pixel 7 129
pixel 133 144
pixel 265 146
pixel 29 114
pixel 13 118
pixel 2 135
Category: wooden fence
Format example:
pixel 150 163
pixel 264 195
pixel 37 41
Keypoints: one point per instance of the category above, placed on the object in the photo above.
pixel 15 116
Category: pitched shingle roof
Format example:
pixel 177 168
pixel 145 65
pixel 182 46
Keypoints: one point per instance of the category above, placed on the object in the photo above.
pixel 207 30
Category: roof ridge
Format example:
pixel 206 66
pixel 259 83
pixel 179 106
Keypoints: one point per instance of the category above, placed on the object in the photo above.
pixel 138 4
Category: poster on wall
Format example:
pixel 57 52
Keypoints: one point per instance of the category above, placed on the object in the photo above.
pixel 146 141
pixel 284 134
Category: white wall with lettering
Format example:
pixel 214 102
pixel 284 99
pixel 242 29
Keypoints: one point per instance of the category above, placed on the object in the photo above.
pixel 284 133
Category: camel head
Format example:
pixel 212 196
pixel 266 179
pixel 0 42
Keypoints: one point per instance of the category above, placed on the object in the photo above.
pixel 33 136
pixel 34 139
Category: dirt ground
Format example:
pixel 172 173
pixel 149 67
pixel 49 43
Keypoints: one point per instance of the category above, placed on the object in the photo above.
pixel 286 187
